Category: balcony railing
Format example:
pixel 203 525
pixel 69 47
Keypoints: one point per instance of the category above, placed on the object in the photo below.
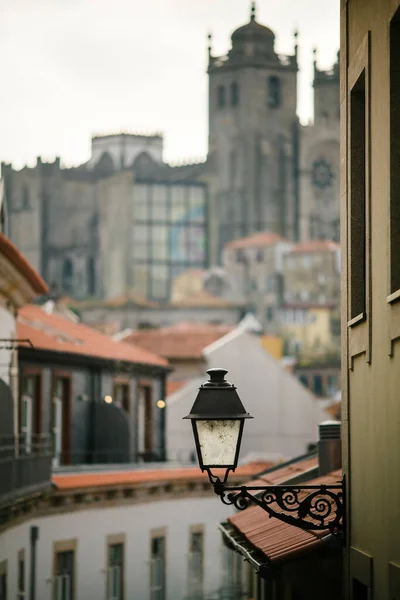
pixel 25 465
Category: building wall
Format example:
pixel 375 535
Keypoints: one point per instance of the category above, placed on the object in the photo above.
pixel 370 358
pixel 7 332
pixel 132 316
pixel 312 276
pixel 286 415
pixel 309 329
pixel 90 529
pixel 89 387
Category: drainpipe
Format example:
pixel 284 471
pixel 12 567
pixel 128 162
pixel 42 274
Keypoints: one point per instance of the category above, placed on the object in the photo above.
pixel 34 531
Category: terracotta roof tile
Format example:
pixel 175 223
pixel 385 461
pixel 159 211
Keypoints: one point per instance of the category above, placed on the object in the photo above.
pixel 202 298
pixel 257 240
pixel 316 246
pixel 88 480
pixel 57 334
pixel 277 540
pixel 181 341
pixel 174 386
pixel 8 249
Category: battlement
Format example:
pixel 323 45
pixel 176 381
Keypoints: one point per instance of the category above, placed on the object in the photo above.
pixel 128 134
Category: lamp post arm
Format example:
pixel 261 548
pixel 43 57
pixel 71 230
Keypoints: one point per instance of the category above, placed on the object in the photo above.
pixel 310 507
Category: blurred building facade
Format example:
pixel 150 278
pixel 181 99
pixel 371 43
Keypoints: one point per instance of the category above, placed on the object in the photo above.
pixel 126 220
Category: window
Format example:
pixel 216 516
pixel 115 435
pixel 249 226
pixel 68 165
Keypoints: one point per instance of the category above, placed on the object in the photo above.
pixel 145 421
pixel 232 574
pixel 360 591
pixel 3 580
pixel 240 256
pixel 157 568
pixel 274 92
pixel 25 198
pixel 121 394
pixel 195 566
pixel 234 94
pixel 26 422
pixel 260 255
pixel 64 576
pixel 61 420
pixel 394 153
pixel 115 572
pixel 221 96
pixel 21 575
pixel 357 200
pixel 332 384
pixel 91 276
pixel 269 314
pixel 304 380
pixel 317 385
pixel 30 409
pixel 67 275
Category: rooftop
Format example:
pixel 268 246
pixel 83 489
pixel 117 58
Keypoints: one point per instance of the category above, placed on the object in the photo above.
pixel 146 476
pixel 180 341
pixel 19 262
pixel 277 540
pixel 257 240
pixel 316 246
pixel 50 332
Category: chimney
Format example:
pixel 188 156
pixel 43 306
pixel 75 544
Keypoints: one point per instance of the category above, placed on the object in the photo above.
pixel 329 447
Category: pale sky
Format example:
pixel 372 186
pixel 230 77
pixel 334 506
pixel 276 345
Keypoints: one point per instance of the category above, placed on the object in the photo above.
pixel 71 68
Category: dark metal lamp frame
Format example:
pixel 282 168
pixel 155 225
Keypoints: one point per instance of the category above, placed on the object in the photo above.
pixel 310 507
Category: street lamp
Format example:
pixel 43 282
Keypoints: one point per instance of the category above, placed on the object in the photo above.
pixel 217 419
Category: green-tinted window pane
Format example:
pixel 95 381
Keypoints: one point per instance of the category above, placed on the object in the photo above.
pixel 159 236
pixel 140 233
pixel 196 247
pixel 140 251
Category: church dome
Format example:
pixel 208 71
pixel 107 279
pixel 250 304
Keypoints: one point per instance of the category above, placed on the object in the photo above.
pixel 253 33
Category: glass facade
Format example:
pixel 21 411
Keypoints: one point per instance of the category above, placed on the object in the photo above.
pixel 169 235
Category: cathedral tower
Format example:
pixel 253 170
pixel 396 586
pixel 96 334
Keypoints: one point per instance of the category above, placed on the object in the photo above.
pixel 252 125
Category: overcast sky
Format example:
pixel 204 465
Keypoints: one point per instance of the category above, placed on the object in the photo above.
pixel 71 68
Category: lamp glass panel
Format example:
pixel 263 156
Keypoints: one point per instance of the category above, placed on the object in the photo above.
pixel 218 441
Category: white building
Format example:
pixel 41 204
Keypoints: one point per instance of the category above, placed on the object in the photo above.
pixel 130 535
pixel 286 414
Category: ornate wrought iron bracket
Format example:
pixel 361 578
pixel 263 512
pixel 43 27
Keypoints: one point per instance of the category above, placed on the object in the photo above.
pixel 310 507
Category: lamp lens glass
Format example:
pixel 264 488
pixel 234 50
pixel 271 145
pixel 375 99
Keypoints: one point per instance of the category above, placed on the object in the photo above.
pixel 218 441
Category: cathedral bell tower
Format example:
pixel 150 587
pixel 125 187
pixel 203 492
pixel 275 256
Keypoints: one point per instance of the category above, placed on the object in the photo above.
pixel 252 118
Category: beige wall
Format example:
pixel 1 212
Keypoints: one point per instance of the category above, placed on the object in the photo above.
pixel 371 354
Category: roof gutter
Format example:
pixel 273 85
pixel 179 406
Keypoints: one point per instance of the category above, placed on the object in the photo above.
pixel 263 568
pixel 68 358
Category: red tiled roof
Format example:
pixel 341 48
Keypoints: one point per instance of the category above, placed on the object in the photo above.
pixel 277 540
pixel 316 246
pixel 179 342
pixel 174 386
pixel 88 480
pixel 257 240
pixel 57 334
pixel 19 261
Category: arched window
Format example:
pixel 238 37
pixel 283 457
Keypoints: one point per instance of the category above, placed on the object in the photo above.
pixel 105 164
pixel 91 276
pixel 67 275
pixel 234 94
pixel 221 96
pixel 25 198
pixel 274 92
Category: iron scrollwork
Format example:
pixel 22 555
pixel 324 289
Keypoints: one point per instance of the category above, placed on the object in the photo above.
pixel 310 507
